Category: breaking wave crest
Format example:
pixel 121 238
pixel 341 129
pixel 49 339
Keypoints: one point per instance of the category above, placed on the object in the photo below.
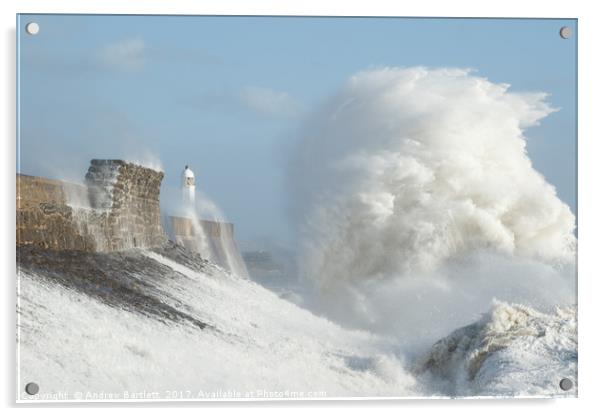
pixel 417 196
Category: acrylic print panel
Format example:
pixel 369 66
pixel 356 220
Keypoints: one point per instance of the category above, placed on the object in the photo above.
pixel 295 207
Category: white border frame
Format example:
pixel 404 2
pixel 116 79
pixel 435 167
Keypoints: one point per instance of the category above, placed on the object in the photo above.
pixel 589 201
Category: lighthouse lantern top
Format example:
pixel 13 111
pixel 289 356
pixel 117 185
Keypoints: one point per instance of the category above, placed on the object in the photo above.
pixel 187 177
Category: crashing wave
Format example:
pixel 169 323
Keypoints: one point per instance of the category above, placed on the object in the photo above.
pixel 512 350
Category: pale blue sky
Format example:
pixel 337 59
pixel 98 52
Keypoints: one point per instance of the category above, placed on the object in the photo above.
pixel 227 95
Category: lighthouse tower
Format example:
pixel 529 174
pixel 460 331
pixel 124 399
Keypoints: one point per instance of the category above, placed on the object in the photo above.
pixel 188 186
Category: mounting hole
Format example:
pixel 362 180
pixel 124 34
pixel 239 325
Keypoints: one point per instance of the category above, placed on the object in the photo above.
pixel 32 388
pixel 566 384
pixel 32 28
pixel 565 32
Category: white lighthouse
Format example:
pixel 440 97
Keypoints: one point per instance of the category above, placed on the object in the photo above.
pixel 188 186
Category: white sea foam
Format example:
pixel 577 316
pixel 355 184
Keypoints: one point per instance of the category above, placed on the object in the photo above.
pixel 512 350
pixel 258 344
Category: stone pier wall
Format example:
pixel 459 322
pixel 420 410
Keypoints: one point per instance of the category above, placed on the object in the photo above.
pixel 44 217
pixel 118 209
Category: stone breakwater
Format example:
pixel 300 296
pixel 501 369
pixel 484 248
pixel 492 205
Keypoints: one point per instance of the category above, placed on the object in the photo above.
pixel 117 209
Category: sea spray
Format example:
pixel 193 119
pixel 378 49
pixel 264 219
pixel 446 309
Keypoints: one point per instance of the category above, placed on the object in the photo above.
pixel 199 233
pixel 90 221
pixel 208 209
pixel 417 203
pixel 211 233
